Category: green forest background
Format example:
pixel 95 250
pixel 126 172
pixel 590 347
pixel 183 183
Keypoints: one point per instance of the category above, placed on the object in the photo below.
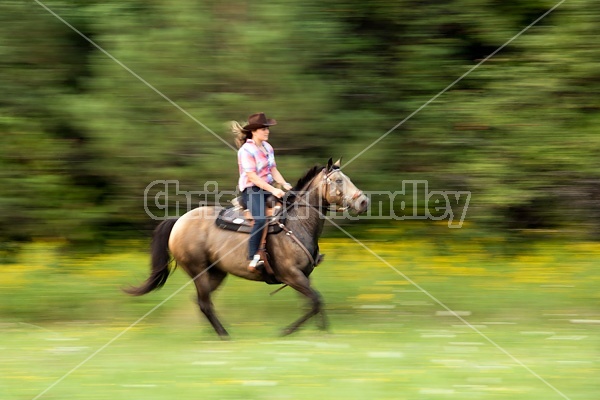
pixel 81 137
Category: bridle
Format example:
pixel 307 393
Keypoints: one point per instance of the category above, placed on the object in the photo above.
pixel 323 209
pixel 345 199
pixel 327 180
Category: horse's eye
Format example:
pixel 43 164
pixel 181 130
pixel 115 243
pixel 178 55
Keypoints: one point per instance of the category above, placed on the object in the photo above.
pixel 339 181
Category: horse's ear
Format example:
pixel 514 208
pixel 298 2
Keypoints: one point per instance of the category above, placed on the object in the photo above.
pixel 338 163
pixel 329 164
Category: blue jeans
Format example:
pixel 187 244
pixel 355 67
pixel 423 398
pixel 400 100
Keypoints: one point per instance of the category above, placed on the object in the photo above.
pixel 255 200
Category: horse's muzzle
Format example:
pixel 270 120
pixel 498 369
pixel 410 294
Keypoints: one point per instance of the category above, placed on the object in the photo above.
pixel 361 204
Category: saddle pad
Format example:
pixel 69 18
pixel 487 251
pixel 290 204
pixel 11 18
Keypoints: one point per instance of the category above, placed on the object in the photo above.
pixel 233 219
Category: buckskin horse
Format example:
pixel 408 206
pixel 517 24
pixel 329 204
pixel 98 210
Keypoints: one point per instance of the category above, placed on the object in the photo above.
pixel 208 253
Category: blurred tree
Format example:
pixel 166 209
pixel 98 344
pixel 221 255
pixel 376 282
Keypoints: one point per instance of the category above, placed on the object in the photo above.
pixel 82 137
pixel 41 63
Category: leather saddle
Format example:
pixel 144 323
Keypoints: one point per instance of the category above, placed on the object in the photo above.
pixel 238 219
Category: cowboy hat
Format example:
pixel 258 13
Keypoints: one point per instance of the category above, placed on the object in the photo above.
pixel 258 120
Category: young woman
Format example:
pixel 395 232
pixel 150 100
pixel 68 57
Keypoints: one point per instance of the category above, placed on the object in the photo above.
pixel 258 173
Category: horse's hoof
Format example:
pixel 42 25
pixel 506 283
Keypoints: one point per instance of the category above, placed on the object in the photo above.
pixel 323 324
pixel 224 335
pixel 288 331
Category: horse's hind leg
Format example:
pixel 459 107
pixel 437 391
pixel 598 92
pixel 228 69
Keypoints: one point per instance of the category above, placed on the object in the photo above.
pixel 301 283
pixel 323 323
pixel 206 283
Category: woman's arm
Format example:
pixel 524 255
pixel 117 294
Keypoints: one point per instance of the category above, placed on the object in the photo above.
pixel 255 179
pixel 279 178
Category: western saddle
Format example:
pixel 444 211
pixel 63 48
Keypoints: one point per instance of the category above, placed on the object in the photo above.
pixel 237 218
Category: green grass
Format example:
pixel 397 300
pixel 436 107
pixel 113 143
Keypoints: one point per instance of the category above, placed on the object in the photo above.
pixel 387 339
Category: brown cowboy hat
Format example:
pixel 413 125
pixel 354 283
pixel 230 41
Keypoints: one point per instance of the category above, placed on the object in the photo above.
pixel 258 120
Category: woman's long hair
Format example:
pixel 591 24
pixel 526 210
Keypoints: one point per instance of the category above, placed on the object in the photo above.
pixel 239 133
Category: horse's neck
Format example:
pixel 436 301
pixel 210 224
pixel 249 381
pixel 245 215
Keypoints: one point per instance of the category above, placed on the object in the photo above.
pixel 308 217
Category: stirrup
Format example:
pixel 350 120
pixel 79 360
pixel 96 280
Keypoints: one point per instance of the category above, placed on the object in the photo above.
pixel 255 264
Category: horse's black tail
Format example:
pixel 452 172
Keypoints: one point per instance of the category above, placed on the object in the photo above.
pixel 160 260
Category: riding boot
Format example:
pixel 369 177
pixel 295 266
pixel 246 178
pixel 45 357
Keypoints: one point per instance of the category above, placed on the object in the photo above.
pixel 255 264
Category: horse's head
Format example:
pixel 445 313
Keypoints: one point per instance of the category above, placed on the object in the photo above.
pixel 340 191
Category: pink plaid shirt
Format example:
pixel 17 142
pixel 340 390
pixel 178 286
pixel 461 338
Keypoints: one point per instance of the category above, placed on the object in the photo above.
pixel 252 159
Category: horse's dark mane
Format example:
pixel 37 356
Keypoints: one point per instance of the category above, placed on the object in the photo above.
pixel 309 176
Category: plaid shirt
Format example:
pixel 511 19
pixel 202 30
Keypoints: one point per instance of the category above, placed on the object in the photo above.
pixel 252 159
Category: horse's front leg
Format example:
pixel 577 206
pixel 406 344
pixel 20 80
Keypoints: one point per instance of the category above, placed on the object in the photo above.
pixel 301 283
pixel 323 323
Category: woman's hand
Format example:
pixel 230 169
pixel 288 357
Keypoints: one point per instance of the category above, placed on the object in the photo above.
pixel 278 193
pixel 287 186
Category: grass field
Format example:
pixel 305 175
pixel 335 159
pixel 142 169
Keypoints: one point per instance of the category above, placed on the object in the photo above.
pixel 538 302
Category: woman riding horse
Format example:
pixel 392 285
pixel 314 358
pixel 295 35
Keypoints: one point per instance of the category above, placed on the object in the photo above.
pixel 258 170
pixel 208 253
